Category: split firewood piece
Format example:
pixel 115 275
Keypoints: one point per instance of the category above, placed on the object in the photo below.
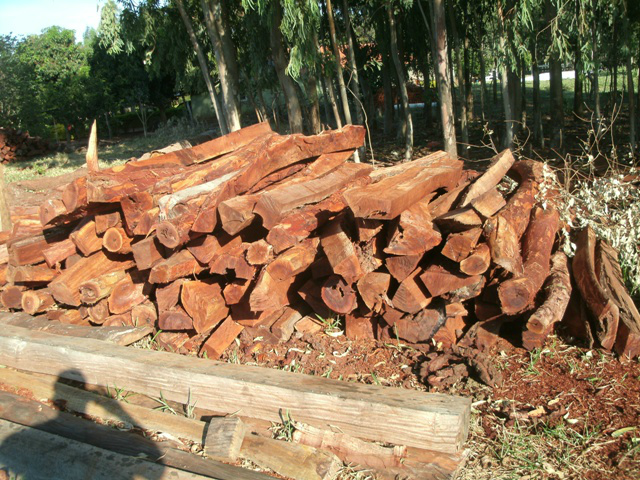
pixel 605 312
pixel 373 288
pixel 360 327
pixel 173 341
pixel 204 303
pixel 350 450
pixel 518 294
pixel 339 295
pixel 478 262
pixel 4 255
pixel 459 220
pixel 311 293
pixel 309 326
pixel 411 296
pixel 175 319
pixel 147 252
pixel 272 288
pixel 100 287
pixel 86 238
pixel 99 312
pixel 368 228
pixel 3 275
pixel 116 240
pixel 205 247
pixel 414 233
pixel 460 245
pixel 135 208
pixel 401 266
pixel 498 168
pixel 276 155
pixel 284 326
pixel 370 254
pixel 179 265
pixel 390 196
pixel 58 252
pixel 238 212
pixel 144 313
pixel 299 224
pixel 11 296
pixel 66 287
pixel 104 221
pixel 233 261
pixel 51 209
pixel 504 230
pixel 74 195
pixel 441 280
pixel 235 290
pixel 274 204
pixel 224 438
pixel 259 253
pixel 339 249
pixel 449 334
pixel 126 294
pixel 168 296
pixel 221 338
pixel 444 203
pixel 557 295
pixel 147 223
pixel 422 327
pixel 36 301
pixel 29 250
pixel 488 204
pixel 119 320
pixel 610 277
pixel 69 316
pixel 92 149
pixel 32 275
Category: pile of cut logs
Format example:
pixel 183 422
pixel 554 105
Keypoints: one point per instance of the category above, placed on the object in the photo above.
pixel 17 145
pixel 260 234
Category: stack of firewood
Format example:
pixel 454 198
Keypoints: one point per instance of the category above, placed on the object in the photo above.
pixel 17 145
pixel 264 233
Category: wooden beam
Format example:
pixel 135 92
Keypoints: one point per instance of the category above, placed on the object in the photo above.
pixel 433 421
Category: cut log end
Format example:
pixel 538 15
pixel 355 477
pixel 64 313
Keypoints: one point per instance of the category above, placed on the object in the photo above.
pixel 338 295
pixel 168 235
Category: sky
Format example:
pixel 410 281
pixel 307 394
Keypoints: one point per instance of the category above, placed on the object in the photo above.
pixel 25 17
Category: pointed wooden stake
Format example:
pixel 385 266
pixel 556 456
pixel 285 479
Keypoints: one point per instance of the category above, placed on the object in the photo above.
pixel 92 149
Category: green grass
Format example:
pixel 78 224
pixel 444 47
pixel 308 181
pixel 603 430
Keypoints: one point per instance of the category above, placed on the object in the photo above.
pixel 109 155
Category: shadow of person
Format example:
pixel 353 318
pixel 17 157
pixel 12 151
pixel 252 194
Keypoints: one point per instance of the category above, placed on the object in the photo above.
pixel 39 442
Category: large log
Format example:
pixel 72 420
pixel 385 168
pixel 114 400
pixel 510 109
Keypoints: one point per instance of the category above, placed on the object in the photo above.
pixel 391 195
pixel 610 277
pixel 58 252
pixel 95 289
pixel 339 295
pixel 86 238
pixel 30 250
pixel 504 230
pixel 518 294
pixel 557 295
pixel 414 233
pixel 30 274
pixel 179 265
pixel 36 301
pixel 605 312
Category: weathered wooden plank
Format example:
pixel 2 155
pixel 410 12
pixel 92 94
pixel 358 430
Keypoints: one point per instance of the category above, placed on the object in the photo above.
pixel 117 335
pixel 224 438
pixel 433 421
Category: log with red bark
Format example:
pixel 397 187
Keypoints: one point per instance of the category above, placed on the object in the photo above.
pixel 557 295
pixel 605 312
pixel 518 294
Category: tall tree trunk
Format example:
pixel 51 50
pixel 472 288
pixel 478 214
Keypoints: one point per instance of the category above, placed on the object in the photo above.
pixel 328 82
pixel 483 81
pixel 505 74
pixel 443 72
pixel 467 65
pixel 388 98
pixel 222 122
pixel 578 82
pixel 314 104
pixel 325 101
pixel 523 94
pixel 423 63
pixel 596 67
pixel 404 95
pixel 495 82
pixel 538 137
pixel 343 88
pixel 460 97
pixel 353 65
pixel 555 73
pixel 227 80
pixel 632 106
pixel 106 119
pixel 280 61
